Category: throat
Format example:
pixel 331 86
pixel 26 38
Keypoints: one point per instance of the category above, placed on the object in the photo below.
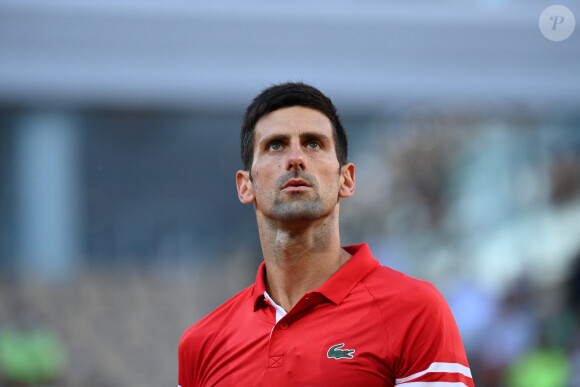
pixel 290 276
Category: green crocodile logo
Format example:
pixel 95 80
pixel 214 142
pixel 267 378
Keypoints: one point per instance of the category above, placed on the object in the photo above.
pixel 336 353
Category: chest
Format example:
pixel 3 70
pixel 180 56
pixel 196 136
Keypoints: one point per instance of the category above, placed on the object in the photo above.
pixel 325 345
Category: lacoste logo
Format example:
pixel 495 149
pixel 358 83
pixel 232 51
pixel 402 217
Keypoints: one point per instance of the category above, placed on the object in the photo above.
pixel 336 353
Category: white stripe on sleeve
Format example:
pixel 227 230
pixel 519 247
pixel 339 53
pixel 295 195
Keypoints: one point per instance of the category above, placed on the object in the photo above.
pixel 435 384
pixel 437 367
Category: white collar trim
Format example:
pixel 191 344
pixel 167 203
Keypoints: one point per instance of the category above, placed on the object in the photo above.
pixel 280 312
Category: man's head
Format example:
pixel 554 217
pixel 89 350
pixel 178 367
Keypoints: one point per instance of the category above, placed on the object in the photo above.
pixel 294 155
pixel 287 95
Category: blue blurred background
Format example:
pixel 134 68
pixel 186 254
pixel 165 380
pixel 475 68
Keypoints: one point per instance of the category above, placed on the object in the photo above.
pixel 119 220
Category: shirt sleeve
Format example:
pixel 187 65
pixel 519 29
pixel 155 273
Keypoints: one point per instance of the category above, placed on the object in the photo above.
pixel 182 375
pixel 427 344
pixel 185 362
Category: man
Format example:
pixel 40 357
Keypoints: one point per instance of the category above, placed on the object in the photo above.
pixel 318 314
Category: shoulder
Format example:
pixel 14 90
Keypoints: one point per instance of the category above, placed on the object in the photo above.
pixel 401 293
pixel 198 342
pixel 208 326
pixel 389 281
pixel 386 284
pixel 414 313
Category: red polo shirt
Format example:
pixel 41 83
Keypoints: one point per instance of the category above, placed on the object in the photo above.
pixel 367 325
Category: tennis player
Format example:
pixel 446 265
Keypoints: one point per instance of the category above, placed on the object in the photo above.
pixel 318 314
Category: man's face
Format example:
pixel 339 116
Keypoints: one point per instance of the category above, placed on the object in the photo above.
pixel 295 173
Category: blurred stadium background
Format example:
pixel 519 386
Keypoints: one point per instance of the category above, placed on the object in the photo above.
pixel 119 221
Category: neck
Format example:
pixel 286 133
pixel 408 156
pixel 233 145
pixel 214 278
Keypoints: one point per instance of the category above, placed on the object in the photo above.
pixel 299 257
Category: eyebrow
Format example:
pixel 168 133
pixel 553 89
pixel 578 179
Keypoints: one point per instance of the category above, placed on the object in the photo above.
pixel 303 136
pixel 273 138
pixel 314 135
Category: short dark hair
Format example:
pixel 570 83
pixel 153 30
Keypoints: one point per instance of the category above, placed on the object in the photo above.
pixel 286 95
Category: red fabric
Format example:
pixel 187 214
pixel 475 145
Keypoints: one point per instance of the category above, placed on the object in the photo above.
pixel 382 326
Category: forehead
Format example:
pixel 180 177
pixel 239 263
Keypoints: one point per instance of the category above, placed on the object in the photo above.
pixel 293 120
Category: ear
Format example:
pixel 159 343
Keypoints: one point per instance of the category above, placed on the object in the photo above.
pixel 347 183
pixel 245 189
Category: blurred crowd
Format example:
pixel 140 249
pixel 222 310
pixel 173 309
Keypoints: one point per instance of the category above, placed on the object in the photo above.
pixel 530 336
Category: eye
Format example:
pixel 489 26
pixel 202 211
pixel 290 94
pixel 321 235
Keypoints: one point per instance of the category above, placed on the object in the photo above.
pixel 274 146
pixel 313 145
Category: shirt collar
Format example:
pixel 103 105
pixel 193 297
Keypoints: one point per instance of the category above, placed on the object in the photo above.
pixel 339 285
pixel 260 288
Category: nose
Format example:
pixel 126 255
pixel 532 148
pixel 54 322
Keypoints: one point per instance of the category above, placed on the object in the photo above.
pixel 295 158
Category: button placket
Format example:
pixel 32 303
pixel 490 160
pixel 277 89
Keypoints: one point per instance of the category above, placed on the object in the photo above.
pixel 276 361
pixel 276 352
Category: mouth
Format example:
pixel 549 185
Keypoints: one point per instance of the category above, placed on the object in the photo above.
pixel 295 185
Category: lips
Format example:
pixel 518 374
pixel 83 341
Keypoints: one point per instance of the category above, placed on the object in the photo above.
pixel 296 184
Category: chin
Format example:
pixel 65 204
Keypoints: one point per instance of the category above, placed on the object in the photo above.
pixel 299 211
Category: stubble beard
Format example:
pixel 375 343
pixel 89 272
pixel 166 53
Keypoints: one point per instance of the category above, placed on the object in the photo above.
pixel 297 209
pixel 300 206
